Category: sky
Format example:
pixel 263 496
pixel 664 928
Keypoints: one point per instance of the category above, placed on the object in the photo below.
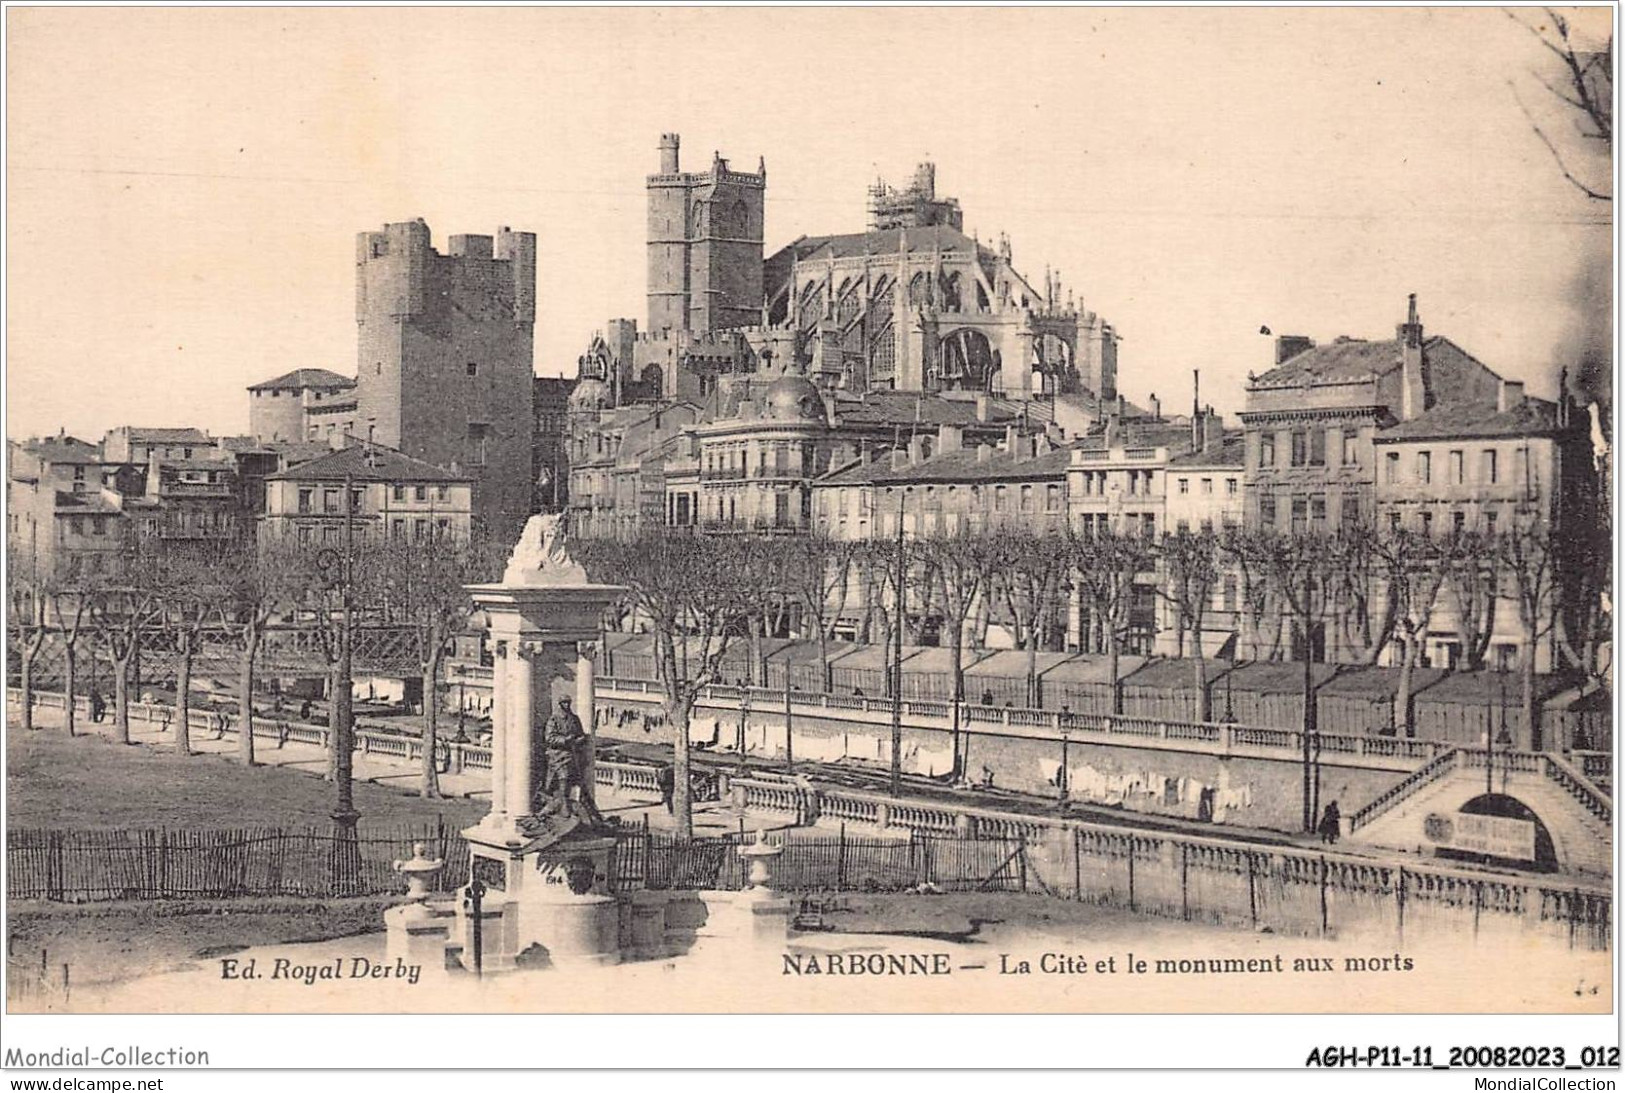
pixel 185 185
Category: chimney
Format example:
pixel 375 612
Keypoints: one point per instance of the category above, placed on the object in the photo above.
pixel 1010 439
pixel 1564 405
pixel 1509 397
pixel 916 449
pixel 899 458
pixel 1288 346
pixel 1156 407
pixel 984 452
pixel 1111 432
pixel 983 406
pixel 1414 392
pixel 950 438
pixel 1122 406
pixel 1212 431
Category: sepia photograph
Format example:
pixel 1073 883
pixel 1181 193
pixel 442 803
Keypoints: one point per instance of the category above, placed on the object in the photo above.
pixel 1118 521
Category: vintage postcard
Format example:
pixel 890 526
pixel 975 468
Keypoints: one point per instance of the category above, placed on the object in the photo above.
pixel 1039 510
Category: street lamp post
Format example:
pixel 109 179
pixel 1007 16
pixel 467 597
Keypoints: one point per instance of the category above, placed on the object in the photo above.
pixel 346 860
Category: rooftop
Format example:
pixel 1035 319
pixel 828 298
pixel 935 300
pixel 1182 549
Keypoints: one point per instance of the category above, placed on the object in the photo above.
pixel 918 408
pixel 959 466
pixel 362 463
pixel 301 378
pixel 63 449
pixel 1229 453
pixel 143 434
pixel 1534 417
pixel 940 238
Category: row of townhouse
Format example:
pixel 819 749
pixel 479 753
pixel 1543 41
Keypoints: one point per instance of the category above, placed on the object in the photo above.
pixel 1411 432
pixel 73 507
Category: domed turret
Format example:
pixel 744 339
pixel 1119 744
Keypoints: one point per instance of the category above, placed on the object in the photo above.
pixel 589 396
pixel 793 398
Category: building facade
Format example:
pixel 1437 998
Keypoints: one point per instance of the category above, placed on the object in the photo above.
pixel 281 409
pixel 391 494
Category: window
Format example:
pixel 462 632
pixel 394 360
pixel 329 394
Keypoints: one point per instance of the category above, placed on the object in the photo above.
pixel 1148 524
pixel 397 493
pixel 1266 450
pixel 1390 467
pixel 1351 512
pixel 1026 499
pixel 1489 521
pixel 1393 521
pixel 1184 485
pixel 1424 467
pixel 1351 448
pixel 420 530
pixel 1425 518
pixel 1183 527
pixel 1458 467
pixel 1317 447
pixel 1490 471
pixel 357 498
pixel 98 525
pixel 1300 448
pixel 1230 487
pixel 443 526
pixel 473 368
pixel 306 498
pixel 1317 514
pixel 998 499
pixel 1458 521
pixel 330 534
pixel 304 535
pixel 440 493
pixel 1300 515
pixel 330 500
pixel 477 445
pixel 420 493
pixel 186 453
pixel 1266 510
pixel 1052 498
pixel 1133 483
pixel 397 529
pixel 1207 485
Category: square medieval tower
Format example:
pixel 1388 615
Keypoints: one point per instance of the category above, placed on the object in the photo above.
pixel 444 358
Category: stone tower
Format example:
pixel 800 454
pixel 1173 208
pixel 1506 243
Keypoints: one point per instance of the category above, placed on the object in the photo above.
pixel 444 358
pixel 705 245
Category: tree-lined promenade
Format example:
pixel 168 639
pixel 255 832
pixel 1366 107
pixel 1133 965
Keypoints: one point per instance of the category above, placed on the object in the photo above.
pixel 1349 597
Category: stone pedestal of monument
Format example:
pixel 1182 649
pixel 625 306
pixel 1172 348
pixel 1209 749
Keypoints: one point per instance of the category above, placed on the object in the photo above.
pixel 545 871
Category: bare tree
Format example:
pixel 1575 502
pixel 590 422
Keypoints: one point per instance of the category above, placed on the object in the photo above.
pixel 423 584
pixel 1582 78
pixel 70 609
pixel 1298 565
pixel 1030 572
pixel 1105 565
pixel 28 591
pixel 1472 580
pixel 258 585
pixel 123 607
pixel 693 592
pixel 960 568
pixel 1412 569
pixel 1245 552
pixel 819 577
pixel 1531 557
pixel 1190 568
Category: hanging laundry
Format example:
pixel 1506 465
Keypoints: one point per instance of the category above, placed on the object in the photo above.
pixel 702 732
pixel 931 761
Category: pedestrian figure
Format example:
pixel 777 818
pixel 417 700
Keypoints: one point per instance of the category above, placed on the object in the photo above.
pixel 304 710
pixel 667 778
pixel 164 714
pixel 987 698
pixel 281 734
pixel 857 692
pixel 1331 823
pixel 220 725
pixel 987 777
pixel 98 708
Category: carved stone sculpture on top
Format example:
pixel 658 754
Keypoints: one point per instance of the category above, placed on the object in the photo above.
pixel 540 558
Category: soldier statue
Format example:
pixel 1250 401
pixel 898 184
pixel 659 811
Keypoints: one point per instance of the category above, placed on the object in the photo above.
pixel 563 790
